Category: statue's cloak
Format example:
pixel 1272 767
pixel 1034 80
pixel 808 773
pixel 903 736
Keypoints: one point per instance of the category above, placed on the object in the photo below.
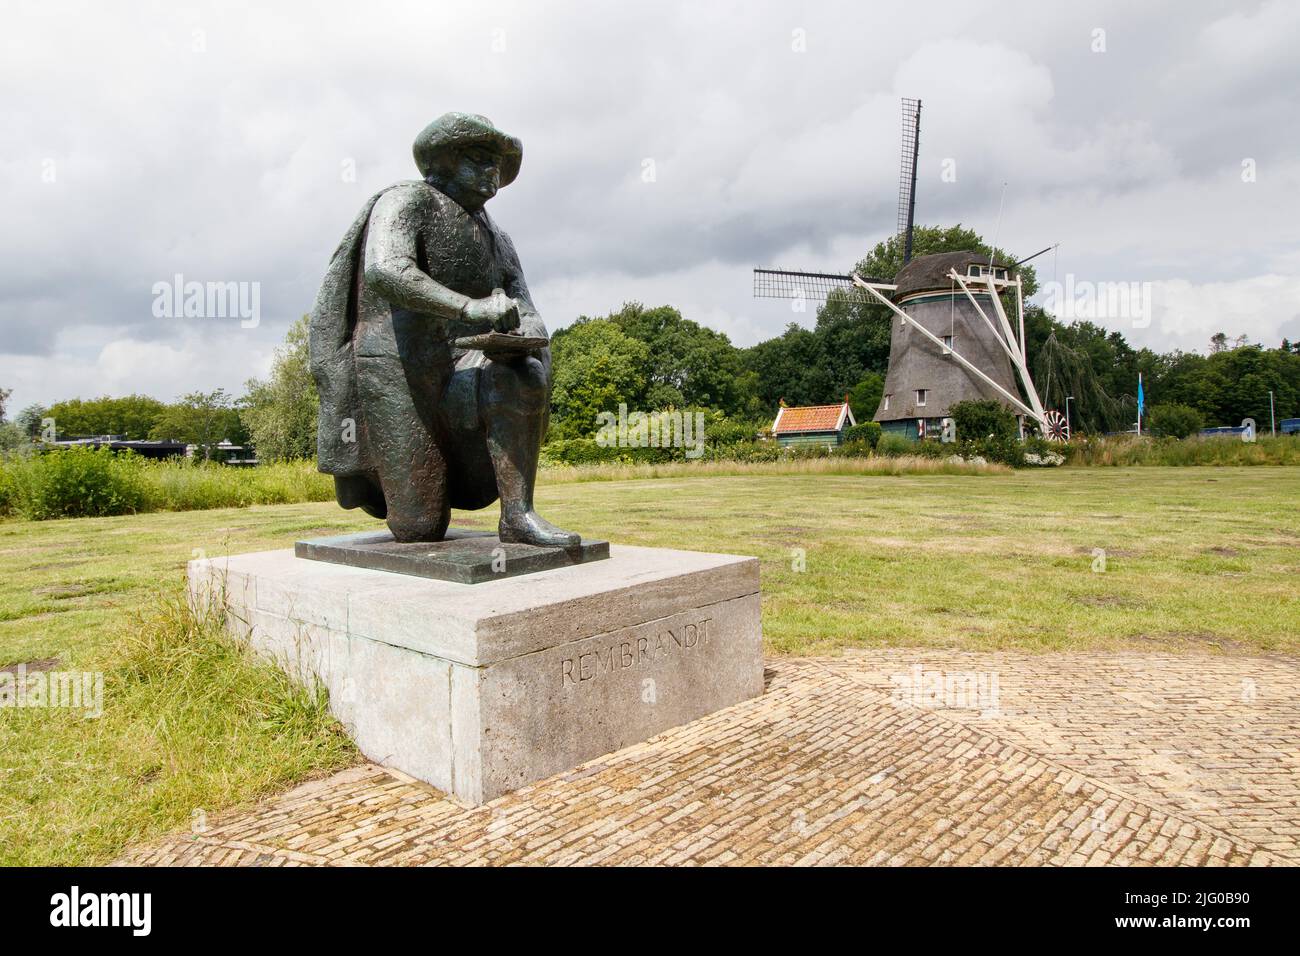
pixel 340 446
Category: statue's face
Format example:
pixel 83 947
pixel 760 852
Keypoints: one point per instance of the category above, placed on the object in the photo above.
pixel 472 177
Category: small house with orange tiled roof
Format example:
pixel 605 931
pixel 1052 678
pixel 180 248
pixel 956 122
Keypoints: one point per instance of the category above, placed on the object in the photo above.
pixel 812 424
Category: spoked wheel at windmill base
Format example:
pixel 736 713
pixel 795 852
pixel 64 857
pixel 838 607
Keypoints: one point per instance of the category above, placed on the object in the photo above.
pixel 1055 427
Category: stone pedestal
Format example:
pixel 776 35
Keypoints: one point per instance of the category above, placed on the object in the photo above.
pixel 479 689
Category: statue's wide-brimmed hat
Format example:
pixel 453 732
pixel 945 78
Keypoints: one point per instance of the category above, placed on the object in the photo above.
pixel 455 131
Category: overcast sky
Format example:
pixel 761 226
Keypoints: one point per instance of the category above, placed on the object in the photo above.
pixel 668 148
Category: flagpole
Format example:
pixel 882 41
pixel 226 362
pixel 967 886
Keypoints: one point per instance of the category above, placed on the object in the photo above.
pixel 1140 396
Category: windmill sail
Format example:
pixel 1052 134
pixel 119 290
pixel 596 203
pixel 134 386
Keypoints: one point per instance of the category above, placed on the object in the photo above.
pixel 907 175
pixel 793 284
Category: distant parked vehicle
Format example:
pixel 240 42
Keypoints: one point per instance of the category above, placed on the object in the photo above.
pixel 1224 430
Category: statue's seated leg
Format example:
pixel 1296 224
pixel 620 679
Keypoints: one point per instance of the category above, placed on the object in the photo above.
pixel 408 462
pixel 514 404
pixel 471 477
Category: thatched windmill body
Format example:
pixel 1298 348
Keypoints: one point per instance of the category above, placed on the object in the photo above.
pixel 953 342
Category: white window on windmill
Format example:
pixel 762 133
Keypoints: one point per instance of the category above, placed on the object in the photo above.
pixel 947 344
pixel 920 396
pixel 886 405
pixel 979 271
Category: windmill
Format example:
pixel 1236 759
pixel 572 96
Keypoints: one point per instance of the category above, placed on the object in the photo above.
pixel 954 340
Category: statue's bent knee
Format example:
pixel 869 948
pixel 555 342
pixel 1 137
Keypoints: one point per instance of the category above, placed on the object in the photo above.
pixel 520 387
pixel 416 522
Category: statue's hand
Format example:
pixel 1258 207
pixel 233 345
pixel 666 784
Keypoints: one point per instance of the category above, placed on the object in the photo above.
pixel 496 313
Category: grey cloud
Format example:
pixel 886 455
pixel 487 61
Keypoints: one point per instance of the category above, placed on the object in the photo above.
pixel 213 141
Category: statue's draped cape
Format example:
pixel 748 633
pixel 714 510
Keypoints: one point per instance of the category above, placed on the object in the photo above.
pixel 340 446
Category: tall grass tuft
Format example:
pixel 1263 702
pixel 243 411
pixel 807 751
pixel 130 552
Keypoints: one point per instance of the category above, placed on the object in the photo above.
pixel 194 487
pixel 213 689
pixel 192 723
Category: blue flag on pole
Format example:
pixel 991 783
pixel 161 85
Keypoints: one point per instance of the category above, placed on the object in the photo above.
pixel 1141 397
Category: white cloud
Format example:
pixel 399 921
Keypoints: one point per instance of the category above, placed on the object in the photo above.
pixel 105 362
pixel 1265 308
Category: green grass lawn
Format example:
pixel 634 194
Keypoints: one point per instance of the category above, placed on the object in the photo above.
pixel 1196 559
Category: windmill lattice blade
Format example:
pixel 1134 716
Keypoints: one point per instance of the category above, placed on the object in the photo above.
pixel 907 174
pixel 792 284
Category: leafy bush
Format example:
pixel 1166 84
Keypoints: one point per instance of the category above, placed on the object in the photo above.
pixel 75 482
pixel 721 430
pixel 12 438
pixel 588 451
pixel 982 418
pixel 744 451
pixel 1175 421
pixel 868 432
pixel 892 444
pixel 1006 450
pixel 1038 451
pixel 65 483
pixel 8 488
pixel 854 449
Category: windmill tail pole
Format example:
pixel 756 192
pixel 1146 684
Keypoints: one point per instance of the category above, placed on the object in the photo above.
pixel 1035 255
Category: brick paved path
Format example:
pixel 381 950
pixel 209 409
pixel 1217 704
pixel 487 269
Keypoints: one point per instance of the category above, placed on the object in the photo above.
pixel 880 757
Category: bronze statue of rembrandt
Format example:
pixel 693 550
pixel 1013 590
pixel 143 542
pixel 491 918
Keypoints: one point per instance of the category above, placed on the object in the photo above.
pixel 431 361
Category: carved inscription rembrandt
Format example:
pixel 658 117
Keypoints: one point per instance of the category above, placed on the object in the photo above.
pixel 620 655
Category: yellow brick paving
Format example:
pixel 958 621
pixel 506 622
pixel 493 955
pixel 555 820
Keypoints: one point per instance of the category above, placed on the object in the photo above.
pixel 1084 760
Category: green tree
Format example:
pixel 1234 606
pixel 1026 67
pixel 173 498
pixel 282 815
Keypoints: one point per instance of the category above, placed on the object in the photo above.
pixel 11 437
pixel 792 367
pixel 1229 384
pixel 596 365
pixel 29 420
pixel 280 413
pixel 204 419
pixel 864 398
pixel 131 416
pixel 854 338
pixel 690 365
pixel 1175 421
pixel 4 399
pixel 1061 371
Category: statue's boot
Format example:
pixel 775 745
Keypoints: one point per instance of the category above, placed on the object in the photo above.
pixel 531 528
pixel 515 407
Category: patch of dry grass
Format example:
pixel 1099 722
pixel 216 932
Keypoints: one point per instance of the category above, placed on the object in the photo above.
pixel 875 465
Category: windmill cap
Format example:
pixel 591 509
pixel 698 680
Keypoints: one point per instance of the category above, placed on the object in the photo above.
pixel 456 131
pixel 930 273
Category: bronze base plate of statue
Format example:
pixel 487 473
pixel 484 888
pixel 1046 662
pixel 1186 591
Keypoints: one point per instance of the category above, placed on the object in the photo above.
pixel 433 365
pixel 463 556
